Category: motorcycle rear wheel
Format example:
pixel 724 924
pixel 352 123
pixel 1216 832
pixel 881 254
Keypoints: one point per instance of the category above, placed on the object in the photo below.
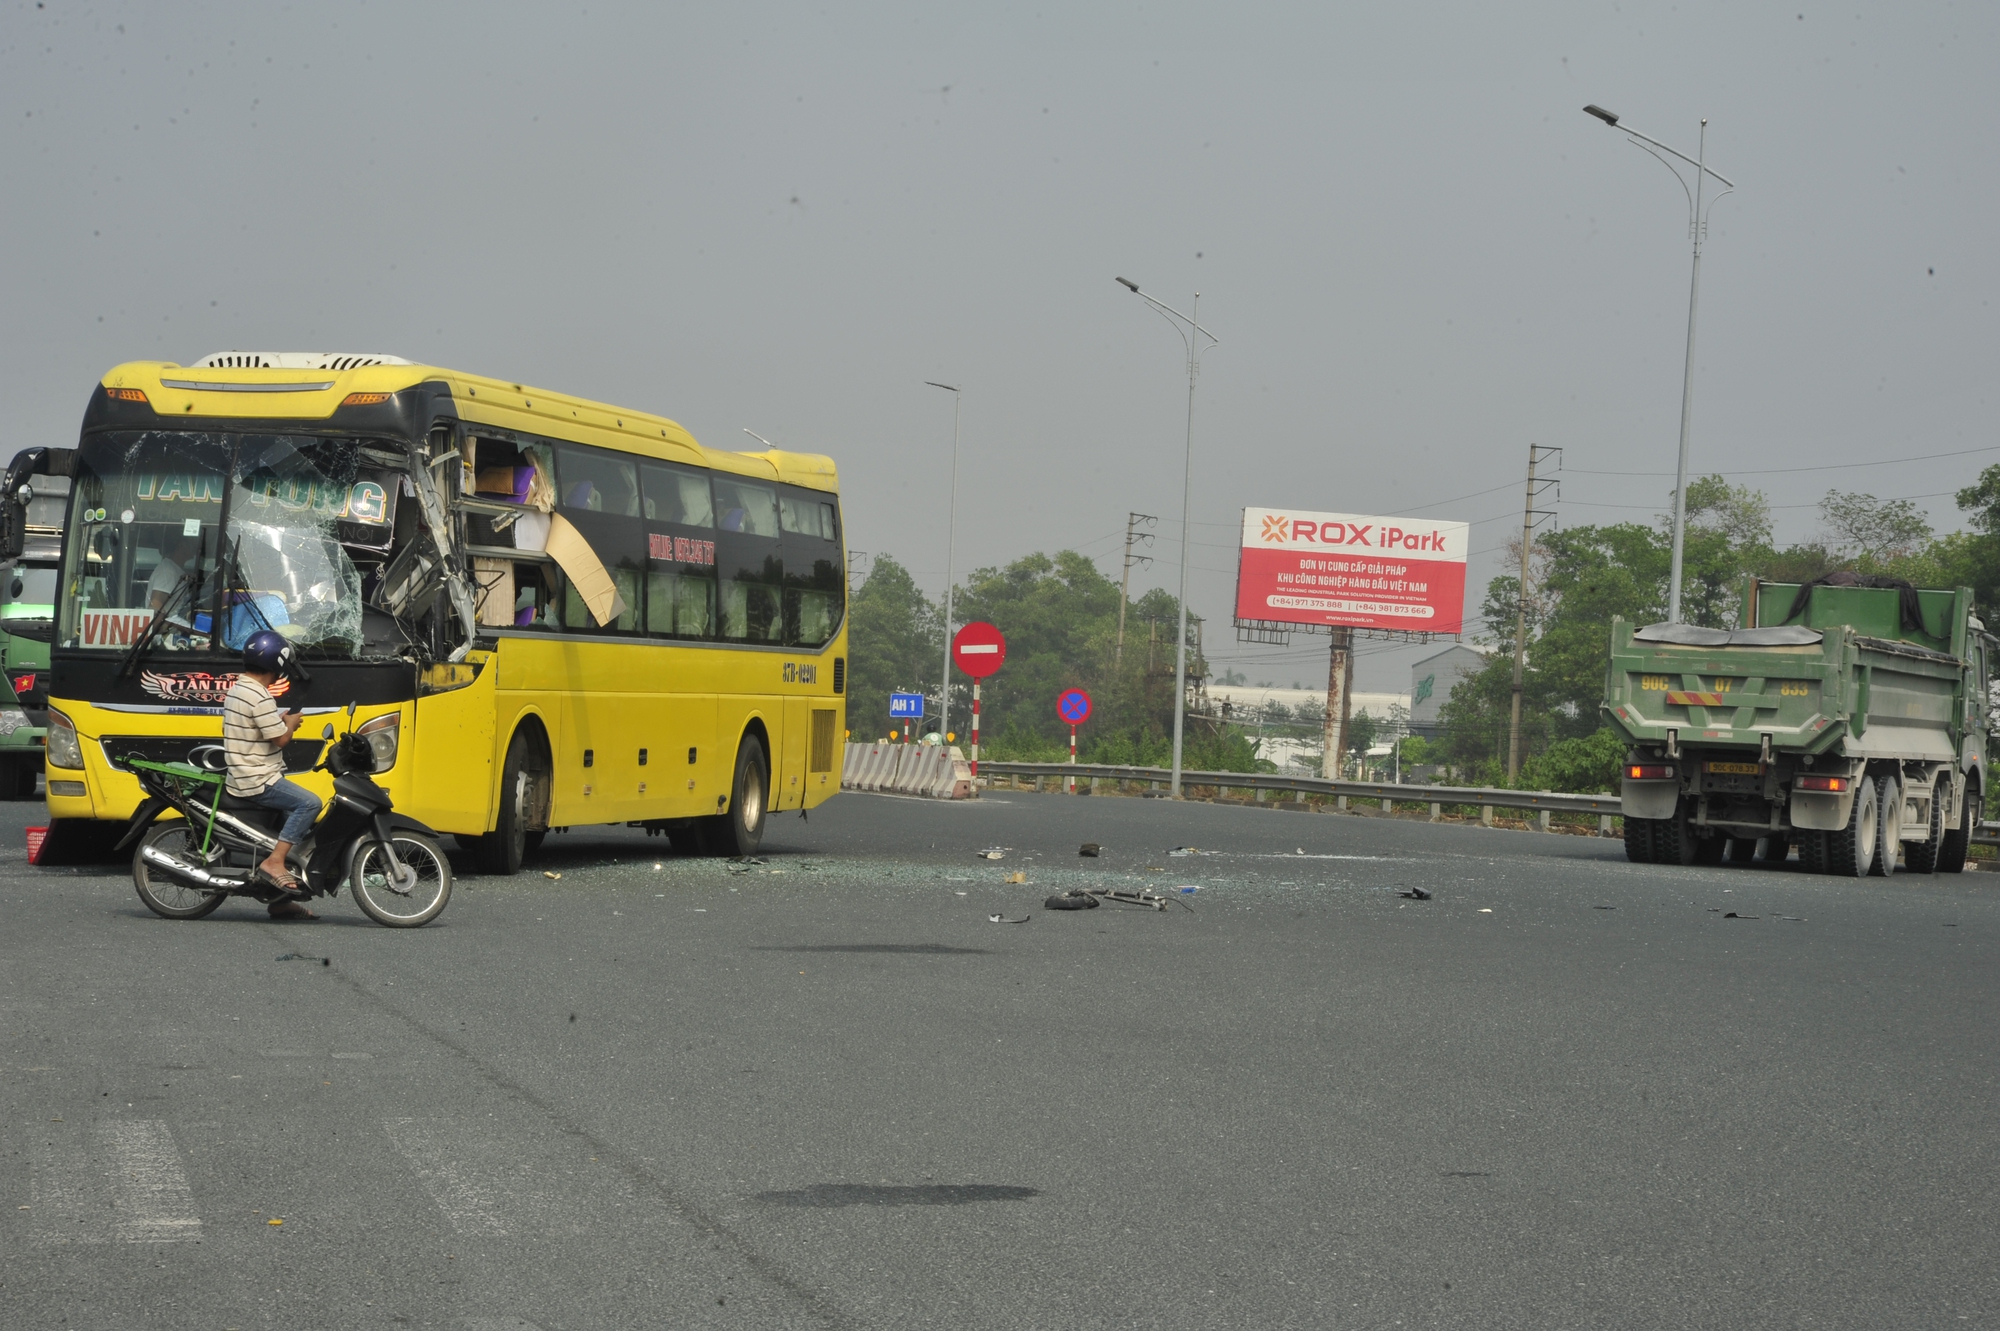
pixel 164 895
pixel 368 877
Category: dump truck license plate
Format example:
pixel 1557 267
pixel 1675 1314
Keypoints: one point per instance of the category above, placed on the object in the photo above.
pixel 1736 769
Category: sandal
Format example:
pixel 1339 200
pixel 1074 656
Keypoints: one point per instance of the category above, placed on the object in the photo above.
pixel 287 884
pixel 291 910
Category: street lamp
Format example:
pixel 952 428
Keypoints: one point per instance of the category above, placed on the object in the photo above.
pixel 1697 229
pixel 1191 335
pixel 950 548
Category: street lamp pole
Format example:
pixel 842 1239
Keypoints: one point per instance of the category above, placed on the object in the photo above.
pixel 1697 230
pixel 1192 336
pixel 950 550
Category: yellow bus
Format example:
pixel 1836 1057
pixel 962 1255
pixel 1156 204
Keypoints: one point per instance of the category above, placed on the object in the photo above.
pixel 546 612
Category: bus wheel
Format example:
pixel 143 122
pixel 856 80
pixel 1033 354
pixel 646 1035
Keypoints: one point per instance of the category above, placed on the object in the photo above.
pixel 502 850
pixel 741 830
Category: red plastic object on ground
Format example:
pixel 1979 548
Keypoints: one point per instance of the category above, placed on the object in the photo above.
pixel 37 838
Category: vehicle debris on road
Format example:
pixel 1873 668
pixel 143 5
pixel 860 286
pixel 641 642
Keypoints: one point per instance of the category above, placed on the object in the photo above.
pixel 1416 893
pixel 1074 899
pixel 1002 919
pixel 991 852
pixel 1090 850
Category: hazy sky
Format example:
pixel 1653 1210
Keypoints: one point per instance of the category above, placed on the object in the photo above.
pixel 1418 254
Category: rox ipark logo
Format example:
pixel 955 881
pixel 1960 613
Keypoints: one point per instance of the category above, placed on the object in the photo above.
pixel 1277 529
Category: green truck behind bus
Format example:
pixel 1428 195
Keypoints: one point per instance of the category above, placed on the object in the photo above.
pixel 27 598
pixel 1846 721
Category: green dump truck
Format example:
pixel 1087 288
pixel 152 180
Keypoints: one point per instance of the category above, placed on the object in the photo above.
pixel 1846 721
pixel 27 597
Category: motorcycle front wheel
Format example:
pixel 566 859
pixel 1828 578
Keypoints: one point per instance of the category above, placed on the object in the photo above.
pixel 163 894
pixel 417 901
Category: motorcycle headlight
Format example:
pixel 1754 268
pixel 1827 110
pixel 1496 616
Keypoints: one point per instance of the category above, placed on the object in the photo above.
pixel 383 735
pixel 64 750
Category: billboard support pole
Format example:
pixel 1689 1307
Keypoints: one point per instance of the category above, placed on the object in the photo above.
pixel 1339 697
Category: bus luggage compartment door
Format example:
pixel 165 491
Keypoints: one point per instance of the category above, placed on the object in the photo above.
pixel 788 781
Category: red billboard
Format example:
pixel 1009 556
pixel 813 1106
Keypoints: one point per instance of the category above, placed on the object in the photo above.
pixel 1353 570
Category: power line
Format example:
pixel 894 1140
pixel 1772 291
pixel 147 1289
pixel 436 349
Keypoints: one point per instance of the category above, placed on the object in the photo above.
pixel 1773 471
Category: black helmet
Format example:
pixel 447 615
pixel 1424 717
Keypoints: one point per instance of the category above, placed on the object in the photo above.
pixel 267 653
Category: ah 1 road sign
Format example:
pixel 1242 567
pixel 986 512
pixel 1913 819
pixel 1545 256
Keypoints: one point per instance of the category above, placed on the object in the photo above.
pixel 906 707
pixel 978 649
pixel 1073 707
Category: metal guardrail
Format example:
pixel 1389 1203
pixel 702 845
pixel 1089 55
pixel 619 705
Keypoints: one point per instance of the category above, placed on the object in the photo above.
pixel 1488 797
pixel 1484 797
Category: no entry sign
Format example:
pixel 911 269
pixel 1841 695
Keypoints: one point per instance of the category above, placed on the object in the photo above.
pixel 978 649
pixel 1073 707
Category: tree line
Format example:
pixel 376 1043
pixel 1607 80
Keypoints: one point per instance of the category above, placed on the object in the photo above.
pixel 1060 618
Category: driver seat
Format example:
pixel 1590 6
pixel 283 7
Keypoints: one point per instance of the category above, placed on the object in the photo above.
pixel 254 814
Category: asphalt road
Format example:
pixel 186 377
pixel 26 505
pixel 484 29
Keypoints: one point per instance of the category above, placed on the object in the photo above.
pixel 828 1091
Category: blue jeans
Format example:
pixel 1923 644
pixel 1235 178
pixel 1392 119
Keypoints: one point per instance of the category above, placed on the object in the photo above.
pixel 299 805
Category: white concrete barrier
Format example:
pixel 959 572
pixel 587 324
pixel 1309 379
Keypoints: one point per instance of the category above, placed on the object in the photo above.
pixel 907 769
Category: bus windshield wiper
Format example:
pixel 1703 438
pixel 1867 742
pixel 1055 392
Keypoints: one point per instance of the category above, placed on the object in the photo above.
pixel 137 652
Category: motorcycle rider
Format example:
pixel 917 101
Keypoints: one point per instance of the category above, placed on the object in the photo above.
pixel 253 733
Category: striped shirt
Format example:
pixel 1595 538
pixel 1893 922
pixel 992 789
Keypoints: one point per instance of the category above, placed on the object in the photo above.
pixel 250 722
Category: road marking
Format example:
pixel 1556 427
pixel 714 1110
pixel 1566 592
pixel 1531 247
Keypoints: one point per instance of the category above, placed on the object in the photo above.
pixel 155 1202
pixel 465 1201
pixel 124 1184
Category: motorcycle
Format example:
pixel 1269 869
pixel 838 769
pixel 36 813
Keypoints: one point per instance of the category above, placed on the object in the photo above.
pixel 185 867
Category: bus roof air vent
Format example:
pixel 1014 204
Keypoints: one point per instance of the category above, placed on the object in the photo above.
pixel 293 360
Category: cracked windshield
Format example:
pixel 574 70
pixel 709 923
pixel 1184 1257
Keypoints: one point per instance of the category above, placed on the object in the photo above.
pixel 147 508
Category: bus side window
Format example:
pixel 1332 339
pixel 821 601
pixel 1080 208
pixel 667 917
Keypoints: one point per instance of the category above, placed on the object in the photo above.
pixel 749 561
pixel 814 587
pixel 680 551
pixel 597 481
pixel 599 492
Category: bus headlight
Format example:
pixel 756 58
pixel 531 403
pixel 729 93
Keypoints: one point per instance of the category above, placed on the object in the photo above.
pixel 64 751
pixel 382 734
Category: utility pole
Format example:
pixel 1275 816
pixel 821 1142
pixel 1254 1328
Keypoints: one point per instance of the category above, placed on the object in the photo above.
pixel 1132 534
pixel 1339 700
pixel 1530 517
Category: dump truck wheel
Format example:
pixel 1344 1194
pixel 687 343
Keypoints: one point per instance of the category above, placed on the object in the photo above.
pixel 1951 854
pixel 1889 835
pixel 1850 852
pixel 1675 841
pixel 1922 856
pixel 1639 840
pixel 1741 849
pixel 1812 850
